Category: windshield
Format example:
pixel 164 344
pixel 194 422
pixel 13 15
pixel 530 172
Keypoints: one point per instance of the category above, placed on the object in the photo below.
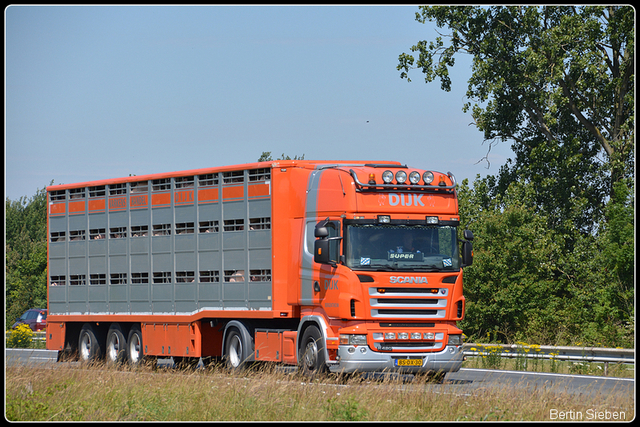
pixel 402 247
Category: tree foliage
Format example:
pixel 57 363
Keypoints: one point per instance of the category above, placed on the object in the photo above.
pixel 555 229
pixel 26 254
pixel 266 157
pixel 525 286
pixel 556 73
pixel 557 81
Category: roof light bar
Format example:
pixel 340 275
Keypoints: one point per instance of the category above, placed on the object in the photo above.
pixel 401 180
pixel 401 177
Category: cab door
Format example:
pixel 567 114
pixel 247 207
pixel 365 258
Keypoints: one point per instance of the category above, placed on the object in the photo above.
pixel 316 277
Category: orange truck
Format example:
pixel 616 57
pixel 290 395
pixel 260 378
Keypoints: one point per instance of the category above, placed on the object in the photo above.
pixel 334 266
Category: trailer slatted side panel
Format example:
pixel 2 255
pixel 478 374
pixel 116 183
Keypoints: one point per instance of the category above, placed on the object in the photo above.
pixel 163 246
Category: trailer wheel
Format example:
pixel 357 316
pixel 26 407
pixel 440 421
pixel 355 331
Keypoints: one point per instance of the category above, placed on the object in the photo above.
pixel 116 351
pixel 312 358
pixel 235 350
pixel 89 349
pixel 135 353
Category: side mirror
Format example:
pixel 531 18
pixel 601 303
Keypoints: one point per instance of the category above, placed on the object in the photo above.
pixel 467 253
pixel 467 248
pixel 325 248
pixel 321 251
pixel 321 232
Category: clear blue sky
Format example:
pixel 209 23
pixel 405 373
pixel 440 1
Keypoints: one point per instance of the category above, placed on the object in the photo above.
pixel 104 92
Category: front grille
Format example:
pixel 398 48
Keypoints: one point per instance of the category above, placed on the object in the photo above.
pixel 407 312
pixel 407 325
pixel 395 291
pixel 410 303
pixel 408 346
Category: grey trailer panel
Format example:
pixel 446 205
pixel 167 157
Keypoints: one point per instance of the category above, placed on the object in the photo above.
pixel 137 257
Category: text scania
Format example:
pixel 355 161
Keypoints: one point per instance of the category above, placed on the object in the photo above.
pixel 405 199
pixel 407 279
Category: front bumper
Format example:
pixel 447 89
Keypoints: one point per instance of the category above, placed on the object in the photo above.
pixel 363 359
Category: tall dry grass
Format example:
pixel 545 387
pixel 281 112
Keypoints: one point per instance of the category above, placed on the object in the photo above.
pixel 79 393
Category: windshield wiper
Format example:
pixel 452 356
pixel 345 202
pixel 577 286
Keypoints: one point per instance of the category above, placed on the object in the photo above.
pixel 386 266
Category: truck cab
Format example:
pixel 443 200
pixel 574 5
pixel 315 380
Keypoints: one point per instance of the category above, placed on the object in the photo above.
pixel 387 270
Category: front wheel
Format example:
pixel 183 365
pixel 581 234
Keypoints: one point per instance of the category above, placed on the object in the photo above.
pixel 312 353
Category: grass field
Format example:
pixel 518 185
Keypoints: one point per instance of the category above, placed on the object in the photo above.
pixel 80 393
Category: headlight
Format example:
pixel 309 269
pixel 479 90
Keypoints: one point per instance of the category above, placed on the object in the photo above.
pixel 414 177
pixel 390 336
pixel 403 335
pixel 416 335
pixel 428 335
pixel 455 340
pixel 348 339
pixel 401 177
pixel 427 177
pixel 387 177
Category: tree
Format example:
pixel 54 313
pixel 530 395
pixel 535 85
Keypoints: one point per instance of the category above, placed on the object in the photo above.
pixel 525 285
pixel 26 254
pixel 558 81
pixel 513 288
pixel 266 157
pixel 552 75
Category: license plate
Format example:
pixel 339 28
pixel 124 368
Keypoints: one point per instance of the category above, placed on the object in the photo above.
pixel 408 362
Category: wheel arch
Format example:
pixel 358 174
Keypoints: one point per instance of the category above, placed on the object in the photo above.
pixel 317 321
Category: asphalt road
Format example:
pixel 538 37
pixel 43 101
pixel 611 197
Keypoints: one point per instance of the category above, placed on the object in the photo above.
pixel 466 380
pixel 579 384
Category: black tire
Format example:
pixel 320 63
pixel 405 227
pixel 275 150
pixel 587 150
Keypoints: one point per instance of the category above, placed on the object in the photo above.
pixel 89 348
pixel 236 350
pixel 311 358
pixel 116 348
pixel 135 348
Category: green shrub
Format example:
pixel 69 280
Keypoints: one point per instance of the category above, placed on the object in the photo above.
pixel 20 337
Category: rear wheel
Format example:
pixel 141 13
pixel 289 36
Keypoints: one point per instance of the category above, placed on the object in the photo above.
pixel 312 353
pixel 116 351
pixel 135 354
pixel 89 349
